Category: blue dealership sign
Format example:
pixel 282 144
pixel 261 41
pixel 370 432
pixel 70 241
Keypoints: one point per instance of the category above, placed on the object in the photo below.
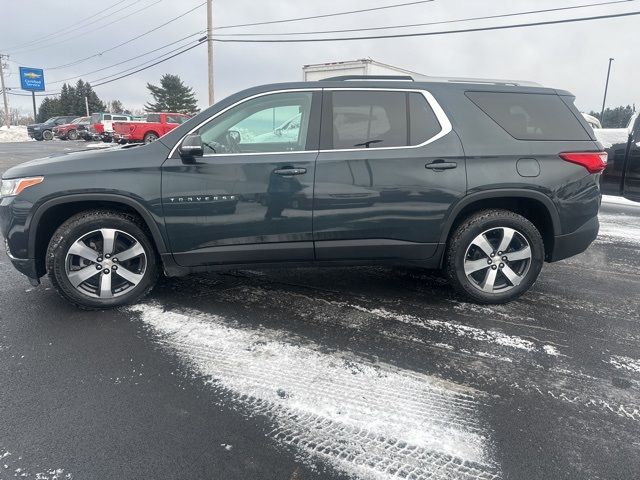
pixel 32 79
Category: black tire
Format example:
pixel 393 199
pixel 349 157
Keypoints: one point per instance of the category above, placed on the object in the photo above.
pixel 461 247
pixel 72 135
pixel 150 137
pixel 39 139
pixel 83 224
pixel 47 135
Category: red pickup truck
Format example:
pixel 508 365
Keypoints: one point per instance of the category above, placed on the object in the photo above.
pixel 151 128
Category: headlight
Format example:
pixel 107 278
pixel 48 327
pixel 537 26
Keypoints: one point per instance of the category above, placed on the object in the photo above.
pixel 14 186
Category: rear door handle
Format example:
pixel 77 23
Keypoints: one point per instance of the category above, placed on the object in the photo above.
pixel 289 171
pixel 441 165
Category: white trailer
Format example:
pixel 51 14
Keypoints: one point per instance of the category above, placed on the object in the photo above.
pixel 363 66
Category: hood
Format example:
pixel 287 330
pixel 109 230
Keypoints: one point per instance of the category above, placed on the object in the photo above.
pixel 95 160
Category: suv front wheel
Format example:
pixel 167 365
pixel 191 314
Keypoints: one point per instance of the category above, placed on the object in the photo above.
pixel 102 259
pixel 494 256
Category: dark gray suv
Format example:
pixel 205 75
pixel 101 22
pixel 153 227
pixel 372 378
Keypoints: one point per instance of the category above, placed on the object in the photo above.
pixel 484 179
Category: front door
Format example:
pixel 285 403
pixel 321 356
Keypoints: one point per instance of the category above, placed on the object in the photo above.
pixel 249 198
pixel 388 172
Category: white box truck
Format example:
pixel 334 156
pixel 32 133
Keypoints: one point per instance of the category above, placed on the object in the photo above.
pixel 364 66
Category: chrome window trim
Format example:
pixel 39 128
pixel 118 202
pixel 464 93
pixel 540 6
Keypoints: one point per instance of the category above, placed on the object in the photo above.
pixel 445 124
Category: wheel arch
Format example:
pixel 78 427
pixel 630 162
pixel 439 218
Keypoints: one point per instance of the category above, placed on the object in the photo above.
pixel 534 206
pixel 150 131
pixel 51 214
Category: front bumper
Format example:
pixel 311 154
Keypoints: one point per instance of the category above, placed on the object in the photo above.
pixel 565 246
pixel 26 266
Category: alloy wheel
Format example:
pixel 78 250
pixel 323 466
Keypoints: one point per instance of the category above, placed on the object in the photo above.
pixel 497 260
pixel 105 263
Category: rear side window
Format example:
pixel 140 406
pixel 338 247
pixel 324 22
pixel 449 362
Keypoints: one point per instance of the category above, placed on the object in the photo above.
pixel 374 119
pixel 530 116
pixel 153 118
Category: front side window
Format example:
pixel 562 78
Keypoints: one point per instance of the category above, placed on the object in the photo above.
pixel 276 122
pixel 375 119
pixel 153 118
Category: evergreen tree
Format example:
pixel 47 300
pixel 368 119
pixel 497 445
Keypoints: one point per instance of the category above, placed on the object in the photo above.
pixel 617 117
pixel 172 96
pixel 50 107
pixel 71 102
pixel 115 106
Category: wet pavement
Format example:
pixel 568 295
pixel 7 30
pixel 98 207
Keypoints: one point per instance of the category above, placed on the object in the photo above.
pixel 328 373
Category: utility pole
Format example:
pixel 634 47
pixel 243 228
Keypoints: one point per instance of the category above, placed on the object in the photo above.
pixel 86 105
pixel 210 48
pixel 4 90
pixel 606 87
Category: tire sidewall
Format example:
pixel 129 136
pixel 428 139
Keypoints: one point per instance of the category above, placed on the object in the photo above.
pixel 47 135
pixel 521 225
pixel 72 135
pixel 75 229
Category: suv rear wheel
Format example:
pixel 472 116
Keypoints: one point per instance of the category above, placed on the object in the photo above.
pixel 494 256
pixel 101 259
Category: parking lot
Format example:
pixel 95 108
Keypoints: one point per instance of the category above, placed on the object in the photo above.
pixel 328 373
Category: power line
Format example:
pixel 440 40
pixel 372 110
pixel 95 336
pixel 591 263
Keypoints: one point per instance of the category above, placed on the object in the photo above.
pixel 412 25
pixel 125 17
pixel 326 15
pixel 65 29
pixel 185 50
pixel 128 59
pixel 81 60
pixel 425 34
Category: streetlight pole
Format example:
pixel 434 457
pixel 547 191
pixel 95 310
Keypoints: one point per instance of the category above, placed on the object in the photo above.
pixel 4 91
pixel 210 48
pixel 606 87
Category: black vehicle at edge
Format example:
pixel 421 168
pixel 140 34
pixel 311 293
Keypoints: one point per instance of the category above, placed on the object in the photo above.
pixel 484 179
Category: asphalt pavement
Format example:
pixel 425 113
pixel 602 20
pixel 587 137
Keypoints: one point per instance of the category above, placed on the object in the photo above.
pixel 328 373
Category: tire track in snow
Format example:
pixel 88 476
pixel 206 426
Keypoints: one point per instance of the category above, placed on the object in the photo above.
pixel 368 420
pixel 564 382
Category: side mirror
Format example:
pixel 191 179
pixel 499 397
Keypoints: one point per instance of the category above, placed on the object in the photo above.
pixel 191 147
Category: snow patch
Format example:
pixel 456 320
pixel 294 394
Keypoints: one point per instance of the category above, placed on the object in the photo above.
pixel 620 227
pixel 14 134
pixel 609 137
pixel 369 420
pixel 611 199
pixel 625 363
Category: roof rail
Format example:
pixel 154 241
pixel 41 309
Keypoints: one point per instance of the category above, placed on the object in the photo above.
pixel 368 77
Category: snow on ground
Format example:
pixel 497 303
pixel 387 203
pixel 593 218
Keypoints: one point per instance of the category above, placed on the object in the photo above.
pixel 625 363
pixel 619 201
pixel 14 134
pixel 367 419
pixel 611 136
pixel 620 228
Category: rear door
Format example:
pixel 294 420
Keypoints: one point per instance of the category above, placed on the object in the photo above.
pixel 389 170
pixel 248 199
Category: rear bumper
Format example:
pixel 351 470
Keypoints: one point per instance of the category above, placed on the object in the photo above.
pixel 565 246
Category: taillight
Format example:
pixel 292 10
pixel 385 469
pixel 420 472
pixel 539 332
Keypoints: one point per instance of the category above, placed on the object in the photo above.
pixel 594 162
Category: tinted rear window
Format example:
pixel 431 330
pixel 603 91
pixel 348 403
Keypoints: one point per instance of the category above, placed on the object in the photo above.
pixel 530 116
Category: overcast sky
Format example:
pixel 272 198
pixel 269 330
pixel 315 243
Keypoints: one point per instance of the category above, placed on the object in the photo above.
pixel 570 56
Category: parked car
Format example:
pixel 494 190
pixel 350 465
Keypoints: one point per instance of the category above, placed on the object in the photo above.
pixel 622 175
pixel 44 131
pixel 150 129
pixel 69 131
pixel 101 126
pixel 489 181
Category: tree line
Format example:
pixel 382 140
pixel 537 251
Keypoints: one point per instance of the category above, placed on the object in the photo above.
pixel 617 117
pixel 172 95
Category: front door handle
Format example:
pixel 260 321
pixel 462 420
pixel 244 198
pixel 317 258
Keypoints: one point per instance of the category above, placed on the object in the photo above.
pixel 439 165
pixel 290 171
